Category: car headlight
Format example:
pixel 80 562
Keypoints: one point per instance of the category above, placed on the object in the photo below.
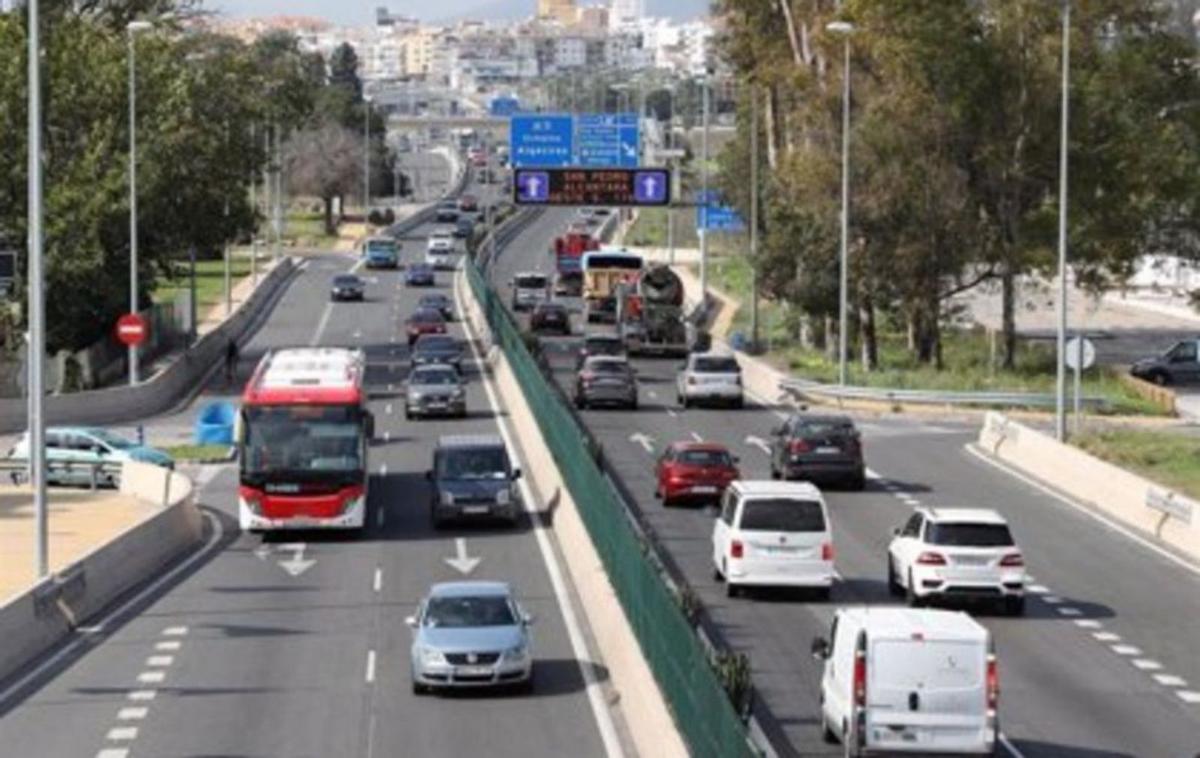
pixel 447 498
pixel 502 497
pixel 431 656
pixel 518 653
pixel 459 393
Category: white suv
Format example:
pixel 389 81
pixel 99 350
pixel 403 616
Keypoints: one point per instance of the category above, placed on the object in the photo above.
pixel 773 534
pixel 710 378
pixel 964 553
pixel 439 248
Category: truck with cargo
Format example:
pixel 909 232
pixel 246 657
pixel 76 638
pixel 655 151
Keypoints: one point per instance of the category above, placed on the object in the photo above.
pixel 651 317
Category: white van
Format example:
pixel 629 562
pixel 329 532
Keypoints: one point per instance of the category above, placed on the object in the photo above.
pixel 901 680
pixel 440 249
pixel 773 534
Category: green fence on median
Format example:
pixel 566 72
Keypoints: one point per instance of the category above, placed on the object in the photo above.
pixel 702 711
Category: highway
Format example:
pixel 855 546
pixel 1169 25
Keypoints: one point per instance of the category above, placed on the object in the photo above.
pixel 1104 663
pixel 295 644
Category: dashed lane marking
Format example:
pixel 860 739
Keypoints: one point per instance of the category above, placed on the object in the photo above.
pixel 1170 680
pixel 1126 650
pixel 113 752
pixel 1106 636
pixel 132 714
pixel 168 645
pixel 175 631
pixel 142 696
pixel 1087 623
pixel 120 733
pixel 1188 696
pixel 377 584
pixel 151 677
pixel 160 660
pixel 370 666
pixel 1146 664
pixel 1069 611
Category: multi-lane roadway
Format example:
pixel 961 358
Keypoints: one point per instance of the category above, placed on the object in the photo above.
pixel 295 644
pixel 1104 663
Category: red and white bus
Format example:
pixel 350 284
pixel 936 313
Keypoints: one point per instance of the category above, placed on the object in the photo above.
pixel 303 437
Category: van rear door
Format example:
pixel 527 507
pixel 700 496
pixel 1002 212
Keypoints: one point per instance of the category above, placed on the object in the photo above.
pixel 927 694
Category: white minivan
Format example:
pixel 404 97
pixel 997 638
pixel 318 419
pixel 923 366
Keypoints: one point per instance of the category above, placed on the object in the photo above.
pixel 902 680
pixel 440 249
pixel 773 534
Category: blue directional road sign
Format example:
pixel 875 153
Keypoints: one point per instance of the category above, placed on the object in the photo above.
pixel 607 140
pixel 541 140
pixel 713 216
pixel 651 187
pixel 532 187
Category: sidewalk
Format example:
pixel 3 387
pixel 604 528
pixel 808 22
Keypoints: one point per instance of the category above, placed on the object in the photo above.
pixel 80 521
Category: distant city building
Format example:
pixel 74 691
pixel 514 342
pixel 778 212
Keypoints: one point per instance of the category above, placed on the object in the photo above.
pixel 385 19
pixel 562 11
pixel 623 13
pixel 592 18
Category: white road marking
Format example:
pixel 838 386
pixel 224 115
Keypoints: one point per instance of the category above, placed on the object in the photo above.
pixel 1107 636
pixel 358 265
pixel 175 631
pixel 1069 611
pixel 387 436
pixel 1188 696
pixel 697 437
pixel 168 645
pixel 113 752
pixel 388 409
pixel 151 677
pixel 1040 589
pixel 672 413
pixel 383 469
pixel 377 584
pixel 160 660
pixel 1146 664
pixel 1052 599
pixel 1126 650
pixel 142 696
pixel 370 666
pixel 1011 748
pixel 645 440
pixel 132 714
pixel 324 322
pixel 357 334
pixel 1110 523
pixel 651 393
pixel 1087 623
pixel 1170 680
pixel 604 722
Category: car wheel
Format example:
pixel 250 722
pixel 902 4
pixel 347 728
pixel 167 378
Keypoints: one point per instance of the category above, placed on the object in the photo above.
pixel 732 590
pixel 893 583
pixel 581 402
pixel 1015 606
pixel 633 406
pixel 774 471
pixel 717 576
pixel 739 403
pixel 910 595
pixel 1161 378
pixel 526 687
pixel 823 594
pixel 683 402
pixel 437 521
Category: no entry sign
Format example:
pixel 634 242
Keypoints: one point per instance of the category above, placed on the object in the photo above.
pixel 132 329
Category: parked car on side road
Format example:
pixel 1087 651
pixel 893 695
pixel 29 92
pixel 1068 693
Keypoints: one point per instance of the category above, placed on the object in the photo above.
pixel 74 454
pixel 1178 365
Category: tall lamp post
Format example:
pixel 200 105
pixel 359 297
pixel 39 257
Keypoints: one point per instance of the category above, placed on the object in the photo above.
pixel 844 29
pixel 37 311
pixel 132 29
pixel 366 157
pixel 703 230
pixel 1060 400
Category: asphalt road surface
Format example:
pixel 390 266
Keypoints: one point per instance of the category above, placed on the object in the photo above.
pixel 1104 663
pixel 294 644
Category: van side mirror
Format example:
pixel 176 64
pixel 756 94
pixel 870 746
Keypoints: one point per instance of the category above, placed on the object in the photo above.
pixel 516 474
pixel 528 618
pixel 820 648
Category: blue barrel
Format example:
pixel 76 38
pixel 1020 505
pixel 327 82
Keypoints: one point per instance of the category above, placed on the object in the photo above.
pixel 214 425
pixel 738 341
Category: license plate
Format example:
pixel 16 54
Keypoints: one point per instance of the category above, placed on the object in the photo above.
pixel 704 490
pixel 473 671
pixel 475 509
pixel 780 549
pixel 972 560
pixel 301 521
pixel 828 450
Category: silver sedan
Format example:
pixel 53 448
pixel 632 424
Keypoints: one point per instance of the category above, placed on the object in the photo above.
pixel 471 634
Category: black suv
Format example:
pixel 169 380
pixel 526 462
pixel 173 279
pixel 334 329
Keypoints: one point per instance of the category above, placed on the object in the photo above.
pixel 818 447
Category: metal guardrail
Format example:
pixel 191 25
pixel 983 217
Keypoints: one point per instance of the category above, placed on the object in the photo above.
pixel 803 388
pixel 97 473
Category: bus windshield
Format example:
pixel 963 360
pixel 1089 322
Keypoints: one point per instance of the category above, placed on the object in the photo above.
pixel 302 441
pixel 625 261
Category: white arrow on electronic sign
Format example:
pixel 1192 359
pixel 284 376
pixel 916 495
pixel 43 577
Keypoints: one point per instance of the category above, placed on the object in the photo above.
pixel 650 184
pixel 461 562
pixel 645 440
pixel 759 443
pixel 297 564
pixel 532 185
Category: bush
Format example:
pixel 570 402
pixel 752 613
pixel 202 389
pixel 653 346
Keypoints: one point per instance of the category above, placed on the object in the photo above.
pixel 376 217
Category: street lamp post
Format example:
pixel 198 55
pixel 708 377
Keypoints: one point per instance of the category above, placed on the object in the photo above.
pixel 753 219
pixel 703 230
pixel 1060 401
pixel 37 312
pixel 132 29
pixel 844 29
pixel 670 140
pixel 366 157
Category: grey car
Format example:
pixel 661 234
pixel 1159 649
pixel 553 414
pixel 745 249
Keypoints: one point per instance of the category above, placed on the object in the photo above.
pixel 434 389
pixel 473 478
pixel 1179 365
pixel 471 634
pixel 606 380
pixel 438 348
pixel 439 302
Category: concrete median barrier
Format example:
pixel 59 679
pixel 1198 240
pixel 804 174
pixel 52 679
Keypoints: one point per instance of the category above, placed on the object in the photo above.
pixel 33 622
pixel 1166 517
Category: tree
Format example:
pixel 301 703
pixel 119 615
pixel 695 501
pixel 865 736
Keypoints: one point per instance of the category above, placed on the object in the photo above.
pixel 343 71
pixel 324 161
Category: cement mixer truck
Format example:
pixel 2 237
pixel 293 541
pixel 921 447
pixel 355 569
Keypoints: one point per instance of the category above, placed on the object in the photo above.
pixel 650 313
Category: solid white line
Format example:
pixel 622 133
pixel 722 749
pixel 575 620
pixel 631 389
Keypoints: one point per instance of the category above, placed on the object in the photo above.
pixel 132 714
pixel 324 322
pixel 604 722
pixel 377 584
pixel 160 660
pixel 1011 748
pixel 142 696
pixel 113 752
pixel 1170 680
pixel 123 733
pixel 68 649
pixel 1110 523
pixel 175 631
pixel 370 666
pixel 358 265
pixel 151 677
pixel 168 645
pixel 388 409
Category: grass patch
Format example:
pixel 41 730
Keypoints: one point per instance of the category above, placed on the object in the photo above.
pixel 305 229
pixel 966 354
pixel 650 230
pixel 196 452
pixel 210 280
pixel 1172 460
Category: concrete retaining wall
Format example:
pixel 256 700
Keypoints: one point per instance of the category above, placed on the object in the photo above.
pixel 34 622
pixel 642 704
pixel 1113 491
pixel 167 389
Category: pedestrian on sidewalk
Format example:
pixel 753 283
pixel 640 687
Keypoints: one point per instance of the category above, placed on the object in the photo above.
pixel 231 360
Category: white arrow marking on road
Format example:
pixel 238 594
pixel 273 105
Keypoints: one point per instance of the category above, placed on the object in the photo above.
pixel 463 563
pixel 645 440
pixel 262 552
pixel 297 564
pixel 759 443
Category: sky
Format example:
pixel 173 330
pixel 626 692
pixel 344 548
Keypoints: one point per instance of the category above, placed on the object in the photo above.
pixel 363 11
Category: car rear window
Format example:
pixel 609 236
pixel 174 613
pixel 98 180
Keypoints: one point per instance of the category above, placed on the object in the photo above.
pixel 531 282
pixel 436 341
pixel 427 315
pixel 382 246
pixel 473 463
pixel 809 429
pixel 716 365
pixel 345 280
pixel 782 515
pixel 705 458
pixel 603 345
pixel 607 367
pixel 969 535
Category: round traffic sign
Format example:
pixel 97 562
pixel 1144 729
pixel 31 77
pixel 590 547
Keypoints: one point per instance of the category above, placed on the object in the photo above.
pixel 1073 353
pixel 132 329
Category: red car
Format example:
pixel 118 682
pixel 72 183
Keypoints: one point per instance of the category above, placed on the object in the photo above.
pixel 480 160
pixel 424 321
pixel 468 203
pixel 694 471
